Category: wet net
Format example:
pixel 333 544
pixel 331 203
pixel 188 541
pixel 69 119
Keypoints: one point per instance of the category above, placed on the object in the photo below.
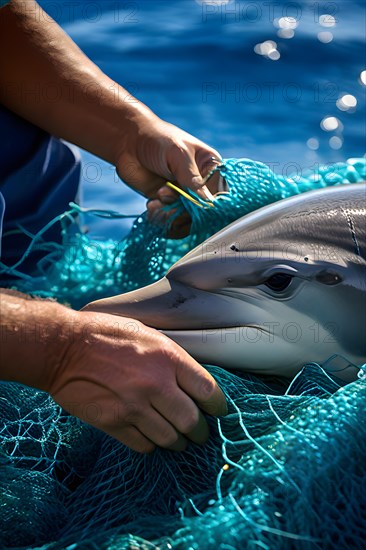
pixel 284 469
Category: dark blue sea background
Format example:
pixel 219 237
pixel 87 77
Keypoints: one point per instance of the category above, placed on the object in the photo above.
pixel 198 65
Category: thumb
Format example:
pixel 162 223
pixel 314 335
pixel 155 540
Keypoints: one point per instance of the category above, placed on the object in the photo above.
pixel 187 174
pixel 198 383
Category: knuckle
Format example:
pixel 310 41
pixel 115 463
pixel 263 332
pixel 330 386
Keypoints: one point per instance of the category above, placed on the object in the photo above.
pixel 189 422
pixel 131 412
pixel 172 351
pixel 178 146
pixel 167 438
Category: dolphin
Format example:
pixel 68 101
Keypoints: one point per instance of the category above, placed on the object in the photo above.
pixel 278 288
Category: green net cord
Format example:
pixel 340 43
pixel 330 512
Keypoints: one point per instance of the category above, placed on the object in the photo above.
pixel 284 469
pixel 83 269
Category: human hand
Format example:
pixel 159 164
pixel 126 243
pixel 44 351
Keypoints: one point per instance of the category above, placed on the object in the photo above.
pixel 102 118
pixel 135 384
pixel 177 227
pixel 157 152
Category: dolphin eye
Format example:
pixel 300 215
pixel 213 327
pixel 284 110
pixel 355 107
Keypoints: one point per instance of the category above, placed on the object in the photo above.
pixel 279 282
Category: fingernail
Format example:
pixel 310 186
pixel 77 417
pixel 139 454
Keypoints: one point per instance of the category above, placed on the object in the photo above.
pixel 207 193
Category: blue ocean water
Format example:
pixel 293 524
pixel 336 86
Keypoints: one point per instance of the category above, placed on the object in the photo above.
pixel 198 64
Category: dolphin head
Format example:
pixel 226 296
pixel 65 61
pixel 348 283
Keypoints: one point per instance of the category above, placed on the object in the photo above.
pixel 280 287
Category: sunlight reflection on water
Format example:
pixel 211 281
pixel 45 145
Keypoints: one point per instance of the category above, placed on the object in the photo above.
pixel 251 79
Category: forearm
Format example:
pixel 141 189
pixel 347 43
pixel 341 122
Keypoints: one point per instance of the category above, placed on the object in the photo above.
pixel 34 335
pixel 46 79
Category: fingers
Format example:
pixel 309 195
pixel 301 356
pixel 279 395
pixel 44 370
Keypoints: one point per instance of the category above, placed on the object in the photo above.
pixel 141 407
pixel 190 165
pixel 182 413
pixel 172 415
pixel 187 173
pixel 166 195
pixel 161 431
pixel 178 228
pixel 207 159
pixel 164 423
pixel 202 388
pixel 156 213
pixel 132 437
pixel 155 431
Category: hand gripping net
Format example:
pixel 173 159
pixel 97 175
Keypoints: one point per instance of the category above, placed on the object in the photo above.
pixel 285 468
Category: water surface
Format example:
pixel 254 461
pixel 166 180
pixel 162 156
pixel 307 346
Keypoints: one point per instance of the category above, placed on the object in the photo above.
pixel 194 63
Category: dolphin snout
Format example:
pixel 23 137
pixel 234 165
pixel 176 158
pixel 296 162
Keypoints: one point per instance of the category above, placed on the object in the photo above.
pixel 172 306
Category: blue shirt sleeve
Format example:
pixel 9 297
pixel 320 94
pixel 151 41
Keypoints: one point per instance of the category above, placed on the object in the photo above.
pixel 3 2
pixel 39 176
pixel 2 210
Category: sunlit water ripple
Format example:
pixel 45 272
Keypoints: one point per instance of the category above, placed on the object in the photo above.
pixel 199 65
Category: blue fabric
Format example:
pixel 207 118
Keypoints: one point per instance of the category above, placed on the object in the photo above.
pixel 39 176
pixel 3 2
pixel 2 210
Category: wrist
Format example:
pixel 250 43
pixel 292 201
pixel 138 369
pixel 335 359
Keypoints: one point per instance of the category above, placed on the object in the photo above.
pixel 35 336
pixel 58 339
pixel 133 119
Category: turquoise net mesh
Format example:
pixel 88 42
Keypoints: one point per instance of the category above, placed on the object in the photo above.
pixel 284 469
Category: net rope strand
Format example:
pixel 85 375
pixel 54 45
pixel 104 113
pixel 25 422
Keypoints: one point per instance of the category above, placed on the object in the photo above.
pixel 285 466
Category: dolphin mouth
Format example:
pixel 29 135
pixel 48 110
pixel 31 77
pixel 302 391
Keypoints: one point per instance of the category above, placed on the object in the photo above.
pixel 169 305
pixel 210 326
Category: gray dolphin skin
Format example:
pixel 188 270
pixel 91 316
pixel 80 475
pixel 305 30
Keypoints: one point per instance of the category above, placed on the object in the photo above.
pixel 278 288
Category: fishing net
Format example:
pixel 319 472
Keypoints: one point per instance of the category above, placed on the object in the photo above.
pixel 284 469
